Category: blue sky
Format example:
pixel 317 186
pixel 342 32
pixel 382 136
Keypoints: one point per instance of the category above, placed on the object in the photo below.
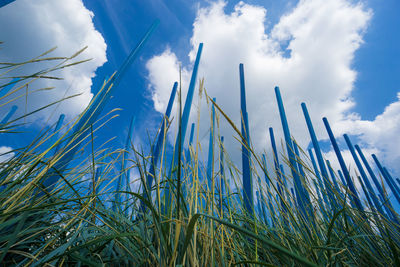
pixel 351 89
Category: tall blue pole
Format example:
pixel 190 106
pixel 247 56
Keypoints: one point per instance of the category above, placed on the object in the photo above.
pixel 276 164
pixel 183 123
pixel 364 177
pixel 161 136
pixel 188 156
pixel 222 167
pixel 318 154
pixel 221 173
pixel 247 179
pixel 333 176
pixel 346 173
pixel 210 161
pixel 388 206
pixel 384 174
pixel 317 174
pixel 298 187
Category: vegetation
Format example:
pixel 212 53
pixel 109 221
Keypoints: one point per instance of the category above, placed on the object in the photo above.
pixel 64 201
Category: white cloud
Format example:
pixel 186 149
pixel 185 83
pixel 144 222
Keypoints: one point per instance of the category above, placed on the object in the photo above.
pixel 382 133
pixel 164 69
pixel 308 53
pixel 5 153
pixel 32 27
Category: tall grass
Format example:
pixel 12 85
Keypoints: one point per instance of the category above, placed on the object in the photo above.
pixel 61 207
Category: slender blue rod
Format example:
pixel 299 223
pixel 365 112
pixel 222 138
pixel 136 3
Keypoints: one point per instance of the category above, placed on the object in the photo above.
pixel 342 177
pixel 303 175
pixel 371 192
pixel 385 176
pixel 157 148
pixel 297 152
pixel 189 97
pixel 283 177
pixel 188 158
pixel 391 180
pixel 317 174
pixel 298 187
pixel 333 176
pixel 161 137
pixel 210 161
pixel 318 154
pixel 264 162
pixel 388 206
pixel 183 124
pixel 222 167
pixel 247 179
pixel 276 164
pixel 188 154
pixel 346 173
pixel 221 186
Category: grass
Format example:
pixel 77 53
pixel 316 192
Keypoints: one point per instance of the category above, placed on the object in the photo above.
pixel 59 204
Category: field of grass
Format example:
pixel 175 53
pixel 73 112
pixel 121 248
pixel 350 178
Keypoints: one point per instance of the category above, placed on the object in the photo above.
pixel 64 201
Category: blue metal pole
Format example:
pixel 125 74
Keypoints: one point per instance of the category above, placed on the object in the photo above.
pixel 298 187
pixel 332 173
pixel 161 137
pixel 247 179
pixel 210 161
pixel 188 156
pixel 350 184
pixel 342 178
pixel 221 174
pixel 221 167
pixel 364 177
pixel 188 161
pixel 388 207
pixel 386 178
pixel 303 175
pixel 318 154
pixel 276 164
pixel 391 180
pixel 264 161
pixel 317 174
pixel 184 122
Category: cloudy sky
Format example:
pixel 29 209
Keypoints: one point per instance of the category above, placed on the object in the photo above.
pixel 340 57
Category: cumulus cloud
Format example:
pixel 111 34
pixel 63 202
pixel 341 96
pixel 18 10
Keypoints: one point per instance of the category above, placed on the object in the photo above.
pixel 308 53
pixel 30 28
pixel 381 133
pixel 164 69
